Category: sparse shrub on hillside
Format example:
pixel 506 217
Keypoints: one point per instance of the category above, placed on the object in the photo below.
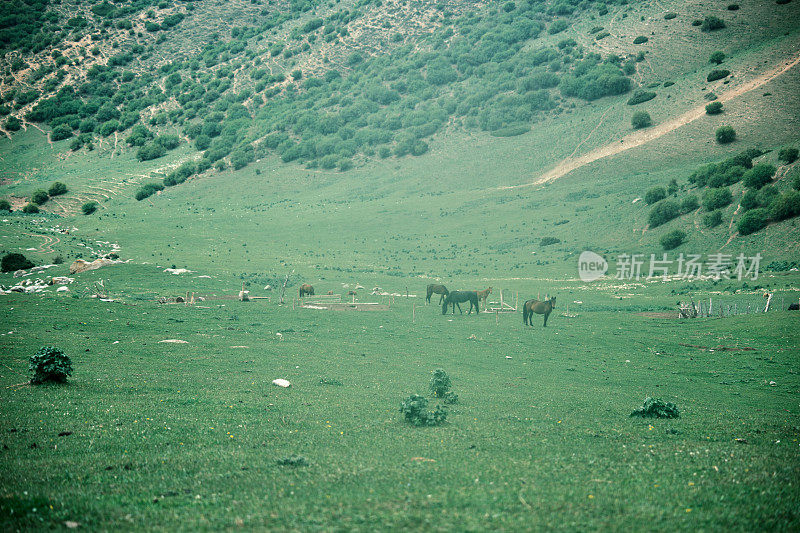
pixel 689 204
pixel 440 386
pixel 670 16
pixel 672 187
pixel 640 40
pixel 49 364
pixel 89 207
pixel 57 189
pixel 150 151
pixel 15 261
pixel 168 142
pixel 753 221
pixel 557 26
pixel 725 134
pixel 656 408
pixel 415 411
pixel 39 197
pixel 733 7
pixel 12 124
pixel 712 23
pixel 30 208
pixel 663 212
pixel 716 198
pixel 749 200
pixel 60 133
pixel 547 241
pixel 714 108
pixel 641 119
pixel 656 194
pixel 717 57
pixel 785 206
pixel 717 74
pixel 673 239
pixel 712 219
pixel 641 96
pixel 759 175
pixel 511 131
pixel 788 155
pixel 5 205
pixel 766 195
pixel 147 190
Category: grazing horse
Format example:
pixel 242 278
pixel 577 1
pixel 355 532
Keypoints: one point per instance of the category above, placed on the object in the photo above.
pixel 540 308
pixel 438 289
pixel 455 298
pixel 482 295
pixel 306 289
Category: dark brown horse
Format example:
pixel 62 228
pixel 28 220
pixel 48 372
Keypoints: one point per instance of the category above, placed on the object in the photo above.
pixel 455 298
pixel 437 289
pixel 306 289
pixel 540 308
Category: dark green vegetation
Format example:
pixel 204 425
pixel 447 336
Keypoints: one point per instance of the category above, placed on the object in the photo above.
pixel 725 134
pixel 15 261
pixel 49 364
pixel 673 239
pixel 641 119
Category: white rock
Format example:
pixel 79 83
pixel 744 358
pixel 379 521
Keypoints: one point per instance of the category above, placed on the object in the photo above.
pixel 175 341
pixel 281 383
pixel 62 289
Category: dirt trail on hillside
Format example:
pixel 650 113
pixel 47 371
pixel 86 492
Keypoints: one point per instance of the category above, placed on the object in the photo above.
pixel 47 246
pixel 644 136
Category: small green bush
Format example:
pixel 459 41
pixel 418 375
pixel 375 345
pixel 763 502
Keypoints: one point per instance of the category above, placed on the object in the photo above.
pixel 711 23
pixel 440 383
pixel 15 261
pixel 292 460
pixel 717 57
pixel 759 175
pixel 49 364
pixel 785 206
pixel 670 16
pixel 89 207
pixel 547 241
pixel 663 212
pixel 656 194
pixel 57 189
pixel 415 411
pixel 714 108
pixel 147 190
pixel 718 74
pixel 725 134
pixel 712 219
pixel 673 239
pixel 640 40
pixel 656 408
pixel 5 205
pixel 641 96
pixel 150 151
pixel 689 204
pixel 716 198
pixel 788 155
pixel 30 208
pixel 753 221
pixel 641 119
pixel 39 197
pixel 749 200
pixel 60 133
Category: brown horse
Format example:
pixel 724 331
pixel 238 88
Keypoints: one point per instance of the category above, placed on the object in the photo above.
pixel 306 289
pixel 482 295
pixel 438 289
pixel 455 298
pixel 540 308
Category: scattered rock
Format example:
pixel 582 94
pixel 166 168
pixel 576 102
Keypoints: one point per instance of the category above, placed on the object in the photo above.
pixel 175 341
pixel 281 383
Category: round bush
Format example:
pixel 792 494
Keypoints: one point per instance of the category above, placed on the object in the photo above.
pixel 752 221
pixel 30 208
pixel 656 194
pixel 663 212
pixel 785 206
pixel 15 261
pixel 759 175
pixel 57 189
pixel 673 239
pixel 39 197
pixel 712 219
pixel 749 200
pixel 640 96
pixel 49 364
pixel 716 198
pixel 641 119
pixel 718 74
pixel 725 134
pixel 5 205
pixel 717 57
pixel 712 23
pixel 689 204
pixel 714 108
pixel 670 16
pixel 640 40
pixel 89 207
pixel 788 155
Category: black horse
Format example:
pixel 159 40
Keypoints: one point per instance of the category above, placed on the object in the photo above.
pixel 436 289
pixel 455 298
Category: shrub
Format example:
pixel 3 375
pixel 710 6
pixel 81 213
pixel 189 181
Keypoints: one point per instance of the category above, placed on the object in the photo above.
pixel 547 241
pixel 718 74
pixel 147 190
pixel 714 108
pixel 656 194
pixel 440 383
pixel 89 207
pixel 785 206
pixel 14 261
pixel 673 239
pixel 670 16
pixel 749 200
pixel 49 364
pixel 672 187
pixel 758 176
pixel 788 155
pixel 753 220
pixel 30 208
pixel 640 40
pixel 57 189
pixel 415 411
pixel 169 142
pixel 150 151
pixel 60 133
pixel 641 119
pixel 5 205
pixel 557 26
pixel 712 219
pixel 717 57
pixel 12 124
pixel 716 198
pixel 725 134
pixel 711 23
pixel 641 96
pixel 656 408
pixel 689 204
pixel 292 460
pixel 663 212
pixel 39 197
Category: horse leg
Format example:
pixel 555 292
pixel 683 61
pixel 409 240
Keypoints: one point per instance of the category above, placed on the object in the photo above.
pixel 545 319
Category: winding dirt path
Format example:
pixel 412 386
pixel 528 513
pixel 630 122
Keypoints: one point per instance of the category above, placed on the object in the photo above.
pixel 644 136
pixel 47 246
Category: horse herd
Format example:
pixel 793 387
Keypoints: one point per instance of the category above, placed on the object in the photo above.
pixel 456 298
